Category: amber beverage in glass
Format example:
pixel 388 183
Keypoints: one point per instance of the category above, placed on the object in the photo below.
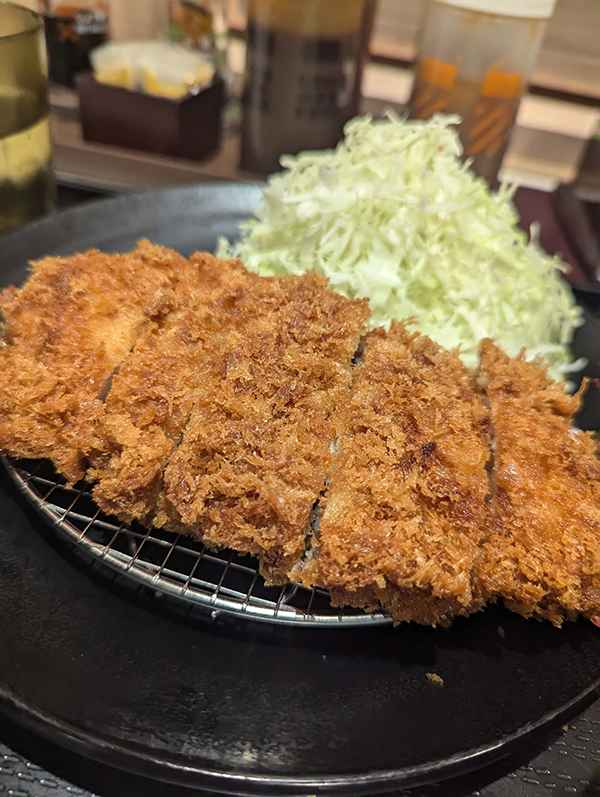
pixel 26 178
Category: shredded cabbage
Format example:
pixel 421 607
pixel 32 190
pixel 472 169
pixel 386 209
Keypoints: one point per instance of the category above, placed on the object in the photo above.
pixel 392 214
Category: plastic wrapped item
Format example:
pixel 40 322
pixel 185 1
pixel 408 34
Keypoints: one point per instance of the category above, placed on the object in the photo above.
pixel 162 69
pixel 475 57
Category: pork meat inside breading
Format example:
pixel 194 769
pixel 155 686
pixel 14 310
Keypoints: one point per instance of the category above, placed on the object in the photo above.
pixel 224 405
pixel 151 397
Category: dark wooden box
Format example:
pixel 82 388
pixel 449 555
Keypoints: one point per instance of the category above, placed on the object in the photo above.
pixel 186 128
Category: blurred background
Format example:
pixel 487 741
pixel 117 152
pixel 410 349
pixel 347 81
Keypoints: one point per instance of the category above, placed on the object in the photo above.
pixel 557 117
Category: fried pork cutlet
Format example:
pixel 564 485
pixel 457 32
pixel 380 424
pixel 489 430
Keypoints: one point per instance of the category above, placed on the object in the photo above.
pixel 151 398
pixel 66 331
pixel 542 555
pixel 258 446
pixel 406 504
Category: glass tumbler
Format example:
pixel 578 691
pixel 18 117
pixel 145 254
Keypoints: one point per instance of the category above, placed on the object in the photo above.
pixel 26 178
pixel 474 59
pixel 304 62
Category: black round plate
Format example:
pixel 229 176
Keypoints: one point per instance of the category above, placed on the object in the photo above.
pixel 213 702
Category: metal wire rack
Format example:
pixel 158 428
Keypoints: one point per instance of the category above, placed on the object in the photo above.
pixel 173 564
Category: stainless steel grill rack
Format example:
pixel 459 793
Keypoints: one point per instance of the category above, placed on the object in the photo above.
pixel 173 564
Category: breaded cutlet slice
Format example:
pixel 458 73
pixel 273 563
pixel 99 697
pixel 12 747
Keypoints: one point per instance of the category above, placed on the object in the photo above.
pixel 258 446
pixel 151 397
pixel 66 331
pixel 405 507
pixel 542 555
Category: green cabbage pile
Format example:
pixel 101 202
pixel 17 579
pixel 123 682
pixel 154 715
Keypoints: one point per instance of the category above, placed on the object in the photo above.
pixel 392 214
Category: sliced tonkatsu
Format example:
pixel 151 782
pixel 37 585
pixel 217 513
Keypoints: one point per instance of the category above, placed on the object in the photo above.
pixel 542 553
pixel 151 397
pixel 209 400
pixel 66 332
pixel 258 446
pixel 405 508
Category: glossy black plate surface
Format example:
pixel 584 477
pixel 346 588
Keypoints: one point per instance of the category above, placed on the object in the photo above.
pixel 212 702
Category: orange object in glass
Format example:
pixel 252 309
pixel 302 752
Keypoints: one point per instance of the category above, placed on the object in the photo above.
pixel 474 60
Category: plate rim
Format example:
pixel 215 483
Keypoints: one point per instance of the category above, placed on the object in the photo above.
pixel 126 758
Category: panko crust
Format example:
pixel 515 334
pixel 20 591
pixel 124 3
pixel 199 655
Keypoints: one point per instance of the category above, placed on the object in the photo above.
pixel 542 553
pixel 406 504
pixel 257 449
pixel 221 404
pixel 151 398
pixel 66 331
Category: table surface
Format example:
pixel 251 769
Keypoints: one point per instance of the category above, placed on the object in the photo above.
pixel 566 763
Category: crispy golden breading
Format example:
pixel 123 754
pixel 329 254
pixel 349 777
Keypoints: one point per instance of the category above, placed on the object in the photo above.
pixel 66 331
pixel 151 398
pixel 221 404
pixel 405 507
pixel 257 448
pixel 543 552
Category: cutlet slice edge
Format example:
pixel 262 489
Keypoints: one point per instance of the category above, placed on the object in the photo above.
pixel 276 558
pixel 527 558
pixel 49 405
pixel 371 589
pixel 171 361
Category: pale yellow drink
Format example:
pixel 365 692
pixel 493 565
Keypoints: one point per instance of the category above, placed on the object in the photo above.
pixel 26 180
